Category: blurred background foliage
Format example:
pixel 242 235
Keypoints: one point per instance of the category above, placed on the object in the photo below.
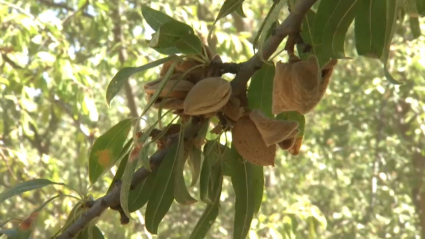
pixel 360 173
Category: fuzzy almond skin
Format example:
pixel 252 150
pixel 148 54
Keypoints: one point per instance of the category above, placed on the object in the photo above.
pixel 289 141
pixel 180 90
pixel 250 145
pixel 272 131
pixel 207 96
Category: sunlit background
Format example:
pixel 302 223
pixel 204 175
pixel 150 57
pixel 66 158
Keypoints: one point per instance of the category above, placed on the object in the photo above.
pixel 360 172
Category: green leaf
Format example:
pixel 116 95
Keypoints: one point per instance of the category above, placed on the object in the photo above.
pixel 392 10
pixel 181 194
pixel 370 28
pixel 189 44
pixel 127 178
pixel 195 159
pixel 211 158
pixel 139 196
pixel 122 76
pixel 415 27
pixel 261 29
pixel 25 187
pixel 211 211
pixel 335 25
pixel 228 7
pixel 275 11
pixel 257 186
pixel 420 6
pixel 155 18
pixel 121 168
pixel 261 89
pixel 245 206
pixel 239 11
pixel 91 232
pixel 168 34
pixel 162 197
pixel 126 183
pixel 294 116
pixel 107 149
pixel 307 36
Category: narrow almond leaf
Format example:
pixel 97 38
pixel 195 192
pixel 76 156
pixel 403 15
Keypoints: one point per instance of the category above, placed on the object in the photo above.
pixel 210 159
pixel 343 13
pixel 107 149
pixel 420 6
pixel 181 194
pixel 160 87
pixel 92 232
pixel 410 8
pixel 392 10
pixel 275 11
pixel 261 88
pixel 25 187
pixel 162 197
pixel 10 233
pixel 123 163
pixel 139 196
pixel 239 11
pixel 257 186
pixel 415 27
pixel 370 28
pixel 138 151
pixel 241 175
pixel 228 7
pixel 126 184
pixel 167 36
pixel 195 160
pixel 307 36
pixel 119 172
pixel 122 76
pixel 211 211
pixel 261 29
pixel 189 44
pixel 155 18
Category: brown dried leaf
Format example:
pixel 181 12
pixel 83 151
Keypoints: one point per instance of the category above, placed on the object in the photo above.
pixel 250 145
pixel 207 96
pixel 272 131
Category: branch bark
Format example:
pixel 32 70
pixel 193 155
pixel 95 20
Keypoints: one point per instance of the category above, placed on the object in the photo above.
pixel 290 26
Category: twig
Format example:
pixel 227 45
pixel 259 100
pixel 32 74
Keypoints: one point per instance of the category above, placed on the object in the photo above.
pixel 81 9
pixel 291 25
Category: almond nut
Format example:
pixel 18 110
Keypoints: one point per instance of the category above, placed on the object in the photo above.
pixel 233 109
pixel 272 131
pixel 172 89
pixel 300 85
pixel 207 96
pixel 250 145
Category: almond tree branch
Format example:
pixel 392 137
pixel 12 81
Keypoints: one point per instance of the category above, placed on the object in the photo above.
pixel 291 25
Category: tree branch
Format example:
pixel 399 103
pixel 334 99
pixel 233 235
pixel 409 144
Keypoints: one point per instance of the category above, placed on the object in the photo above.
pixel 291 25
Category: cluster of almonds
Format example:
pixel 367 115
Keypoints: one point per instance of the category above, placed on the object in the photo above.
pixel 194 89
pixel 298 86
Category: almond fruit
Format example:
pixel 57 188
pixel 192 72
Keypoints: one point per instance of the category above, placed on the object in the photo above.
pixel 172 89
pixel 272 131
pixel 248 142
pixel 207 96
pixel 300 85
